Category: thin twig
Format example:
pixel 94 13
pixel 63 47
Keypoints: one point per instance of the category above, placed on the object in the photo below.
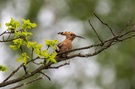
pixel 25 69
pixel 45 75
pixel 56 67
pixel 96 32
pixel 37 63
pixel 9 36
pixel 21 49
pixel 21 78
pixel 24 84
pixel 8 40
pixel 103 23
pixel 125 26
pixel 128 37
pixel 13 73
pixel 3 33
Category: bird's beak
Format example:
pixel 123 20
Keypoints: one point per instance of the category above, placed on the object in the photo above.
pixel 79 37
pixel 60 33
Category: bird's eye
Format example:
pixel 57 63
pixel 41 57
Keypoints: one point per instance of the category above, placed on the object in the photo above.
pixel 71 34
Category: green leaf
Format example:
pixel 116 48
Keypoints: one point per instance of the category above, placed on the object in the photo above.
pixel 3 68
pixel 37 52
pixel 38 46
pixel 18 42
pixel 33 25
pixel 17 34
pixel 49 57
pixel 13 24
pixel 23 34
pixel 52 57
pixel 27 24
pixel 37 49
pixel 14 47
pixel 54 54
pixel 51 43
pixel 45 54
pixel 20 59
pixel 53 60
pixel 31 44
pixel 23 58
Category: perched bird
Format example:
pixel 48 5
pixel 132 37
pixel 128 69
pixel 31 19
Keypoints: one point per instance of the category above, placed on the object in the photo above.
pixel 66 45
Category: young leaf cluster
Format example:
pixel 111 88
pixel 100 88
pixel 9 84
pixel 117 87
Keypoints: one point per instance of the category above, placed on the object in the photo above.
pixel 3 68
pixel 23 58
pixel 13 24
pixel 51 43
pixel 27 24
pixel 21 35
pixel 21 39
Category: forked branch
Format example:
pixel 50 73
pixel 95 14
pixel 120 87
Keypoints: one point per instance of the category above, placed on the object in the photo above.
pixel 100 46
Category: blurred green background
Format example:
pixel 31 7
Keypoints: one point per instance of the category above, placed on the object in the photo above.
pixel 114 68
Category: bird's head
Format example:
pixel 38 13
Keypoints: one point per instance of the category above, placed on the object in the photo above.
pixel 70 35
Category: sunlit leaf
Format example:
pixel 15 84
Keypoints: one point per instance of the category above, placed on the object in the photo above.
pixel 37 52
pixel 13 24
pixel 3 68
pixel 31 44
pixel 45 54
pixel 27 24
pixel 23 58
pixel 51 43
pixel 38 46
pixel 14 47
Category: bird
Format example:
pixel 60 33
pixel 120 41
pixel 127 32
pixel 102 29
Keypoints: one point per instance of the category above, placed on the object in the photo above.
pixel 66 45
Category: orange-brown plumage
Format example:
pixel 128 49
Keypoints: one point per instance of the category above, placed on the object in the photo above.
pixel 66 45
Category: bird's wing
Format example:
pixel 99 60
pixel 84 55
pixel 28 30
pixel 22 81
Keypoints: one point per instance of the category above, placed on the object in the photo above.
pixel 59 47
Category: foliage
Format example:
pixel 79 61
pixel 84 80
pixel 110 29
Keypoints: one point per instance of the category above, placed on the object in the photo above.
pixel 13 24
pixel 3 68
pixel 51 43
pixel 21 39
pixel 120 58
pixel 23 58
pixel 27 24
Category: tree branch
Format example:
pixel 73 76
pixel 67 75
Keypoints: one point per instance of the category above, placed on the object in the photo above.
pixel 96 33
pixel 24 84
pixel 103 22
pixel 56 67
pixel 101 46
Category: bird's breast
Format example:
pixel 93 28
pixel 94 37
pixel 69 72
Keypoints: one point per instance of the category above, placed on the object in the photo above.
pixel 66 46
